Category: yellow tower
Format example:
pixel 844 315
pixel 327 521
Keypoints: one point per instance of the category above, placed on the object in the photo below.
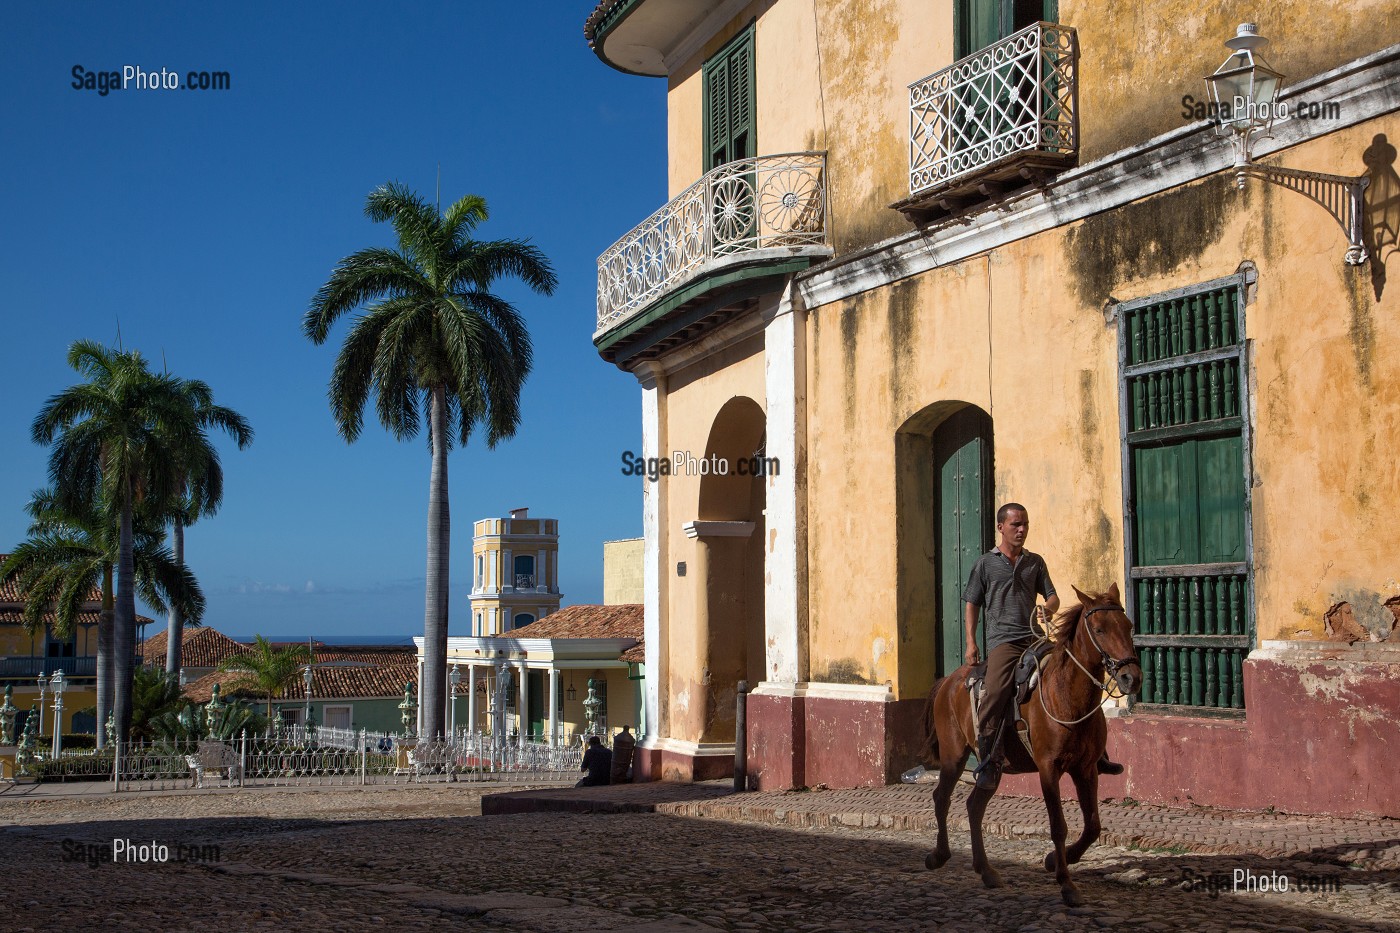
pixel 515 572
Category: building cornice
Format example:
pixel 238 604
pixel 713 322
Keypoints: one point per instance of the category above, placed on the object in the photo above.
pixel 1364 89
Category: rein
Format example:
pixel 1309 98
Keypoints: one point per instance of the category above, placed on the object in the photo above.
pixel 1111 665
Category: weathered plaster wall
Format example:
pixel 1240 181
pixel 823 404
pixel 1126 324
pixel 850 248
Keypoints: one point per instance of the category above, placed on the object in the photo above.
pixel 695 394
pixel 622 572
pixel 1137 61
pixel 1021 332
pixel 834 75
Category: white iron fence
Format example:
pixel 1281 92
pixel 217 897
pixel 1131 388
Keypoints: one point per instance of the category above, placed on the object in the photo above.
pixel 740 207
pixel 1014 97
pixel 289 756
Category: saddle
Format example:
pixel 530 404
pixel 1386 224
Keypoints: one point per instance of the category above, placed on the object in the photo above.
pixel 1026 679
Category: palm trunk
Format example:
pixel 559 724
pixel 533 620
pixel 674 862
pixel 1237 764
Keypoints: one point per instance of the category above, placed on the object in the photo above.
pixel 435 612
pixel 124 640
pixel 104 656
pixel 175 623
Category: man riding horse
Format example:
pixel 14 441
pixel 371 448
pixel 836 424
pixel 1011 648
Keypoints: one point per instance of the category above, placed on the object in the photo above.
pixel 1003 585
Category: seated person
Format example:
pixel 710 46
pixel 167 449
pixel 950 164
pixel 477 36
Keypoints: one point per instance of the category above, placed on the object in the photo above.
pixel 597 761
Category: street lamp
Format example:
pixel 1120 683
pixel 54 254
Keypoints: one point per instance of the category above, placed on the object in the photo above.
pixel 43 692
pixel 1243 93
pixel 456 679
pixel 57 713
pixel 306 676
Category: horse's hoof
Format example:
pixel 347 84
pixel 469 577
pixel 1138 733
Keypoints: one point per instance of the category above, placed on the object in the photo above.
pixel 1049 862
pixel 1071 896
pixel 991 878
pixel 935 860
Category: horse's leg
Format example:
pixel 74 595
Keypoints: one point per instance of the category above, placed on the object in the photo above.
pixel 1086 786
pixel 976 806
pixel 1050 790
pixel 950 767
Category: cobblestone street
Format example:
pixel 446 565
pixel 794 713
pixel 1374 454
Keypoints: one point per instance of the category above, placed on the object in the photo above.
pixel 418 857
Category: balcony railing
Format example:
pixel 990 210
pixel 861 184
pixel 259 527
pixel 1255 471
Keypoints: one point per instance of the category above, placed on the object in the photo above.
pixel 524 581
pixel 12 668
pixel 1017 97
pixel 740 207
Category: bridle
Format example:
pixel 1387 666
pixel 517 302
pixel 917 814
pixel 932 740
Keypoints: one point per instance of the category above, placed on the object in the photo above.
pixel 1111 664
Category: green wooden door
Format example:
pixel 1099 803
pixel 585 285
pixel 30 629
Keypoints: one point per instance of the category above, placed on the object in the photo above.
pixel 728 105
pixel 962 454
pixel 535 686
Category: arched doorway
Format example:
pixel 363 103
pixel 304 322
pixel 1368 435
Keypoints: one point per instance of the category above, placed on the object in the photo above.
pixel 944 490
pixel 962 494
pixel 730 529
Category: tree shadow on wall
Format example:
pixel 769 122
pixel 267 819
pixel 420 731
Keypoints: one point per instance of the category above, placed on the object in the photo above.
pixel 1381 208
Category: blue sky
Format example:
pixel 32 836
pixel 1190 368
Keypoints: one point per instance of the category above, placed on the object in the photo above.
pixel 203 222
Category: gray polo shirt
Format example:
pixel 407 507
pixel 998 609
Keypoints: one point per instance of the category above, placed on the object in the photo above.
pixel 1007 594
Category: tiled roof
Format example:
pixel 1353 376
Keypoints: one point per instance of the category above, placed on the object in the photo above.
pixel 200 646
pixel 600 13
pixel 635 655
pixel 623 621
pixel 337 674
pixel 12 602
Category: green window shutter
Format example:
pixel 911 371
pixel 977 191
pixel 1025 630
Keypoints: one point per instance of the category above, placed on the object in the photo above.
pixel 1184 396
pixel 729 109
pixel 1164 480
pixel 1220 498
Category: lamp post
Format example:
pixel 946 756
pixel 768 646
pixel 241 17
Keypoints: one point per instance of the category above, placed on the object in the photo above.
pixel 456 680
pixel 1243 93
pixel 57 713
pixel 307 722
pixel 43 688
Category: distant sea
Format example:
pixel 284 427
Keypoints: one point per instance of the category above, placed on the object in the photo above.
pixel 333 639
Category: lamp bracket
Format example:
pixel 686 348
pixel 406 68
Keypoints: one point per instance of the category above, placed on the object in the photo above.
pixel 1339 195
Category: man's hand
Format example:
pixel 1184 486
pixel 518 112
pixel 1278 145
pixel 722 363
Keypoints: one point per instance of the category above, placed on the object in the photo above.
pixel 972 656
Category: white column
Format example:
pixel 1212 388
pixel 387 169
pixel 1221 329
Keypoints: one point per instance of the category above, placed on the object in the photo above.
pixel 553 705
pixel 471 697
pixel 495 628
pixel 785 563
pixel 522 705
pixel 507 570
pixel 419 729
pixel 655 567
pixel 542 569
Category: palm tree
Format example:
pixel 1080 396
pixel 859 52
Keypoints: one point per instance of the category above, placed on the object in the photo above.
pixel 432 335
pixel 154 693
pixel 116 440
pixel 201 488
pixel 268 670
pixel 71 553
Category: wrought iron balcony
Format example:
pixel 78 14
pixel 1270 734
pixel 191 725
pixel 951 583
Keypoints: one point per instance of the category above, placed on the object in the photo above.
pixel 1007 110
pixel 524 581
pixel 730 215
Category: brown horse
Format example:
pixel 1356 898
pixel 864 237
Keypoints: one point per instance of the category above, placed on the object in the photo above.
pixel 1067 730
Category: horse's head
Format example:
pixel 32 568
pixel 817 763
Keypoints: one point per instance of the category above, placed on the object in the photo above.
pixel 1105 624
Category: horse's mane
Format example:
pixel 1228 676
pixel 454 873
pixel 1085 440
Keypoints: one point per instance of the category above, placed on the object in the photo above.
pixel 1066 625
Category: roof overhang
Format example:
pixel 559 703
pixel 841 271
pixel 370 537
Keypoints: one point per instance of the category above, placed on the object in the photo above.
pixel 649 37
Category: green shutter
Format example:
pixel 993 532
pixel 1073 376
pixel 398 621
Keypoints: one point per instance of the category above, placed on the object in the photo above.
pixel 728 106
pixel 1183 393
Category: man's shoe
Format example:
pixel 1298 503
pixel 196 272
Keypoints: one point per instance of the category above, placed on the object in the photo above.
pixel 1109 767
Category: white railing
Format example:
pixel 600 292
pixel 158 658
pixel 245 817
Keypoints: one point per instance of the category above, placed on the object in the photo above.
pixel 740 207
pixel 1016 96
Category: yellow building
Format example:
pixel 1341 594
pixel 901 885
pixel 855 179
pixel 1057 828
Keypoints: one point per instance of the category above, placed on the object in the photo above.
pixel 26 659
pixel 924 257
pixel 526 665
pixel 515 571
